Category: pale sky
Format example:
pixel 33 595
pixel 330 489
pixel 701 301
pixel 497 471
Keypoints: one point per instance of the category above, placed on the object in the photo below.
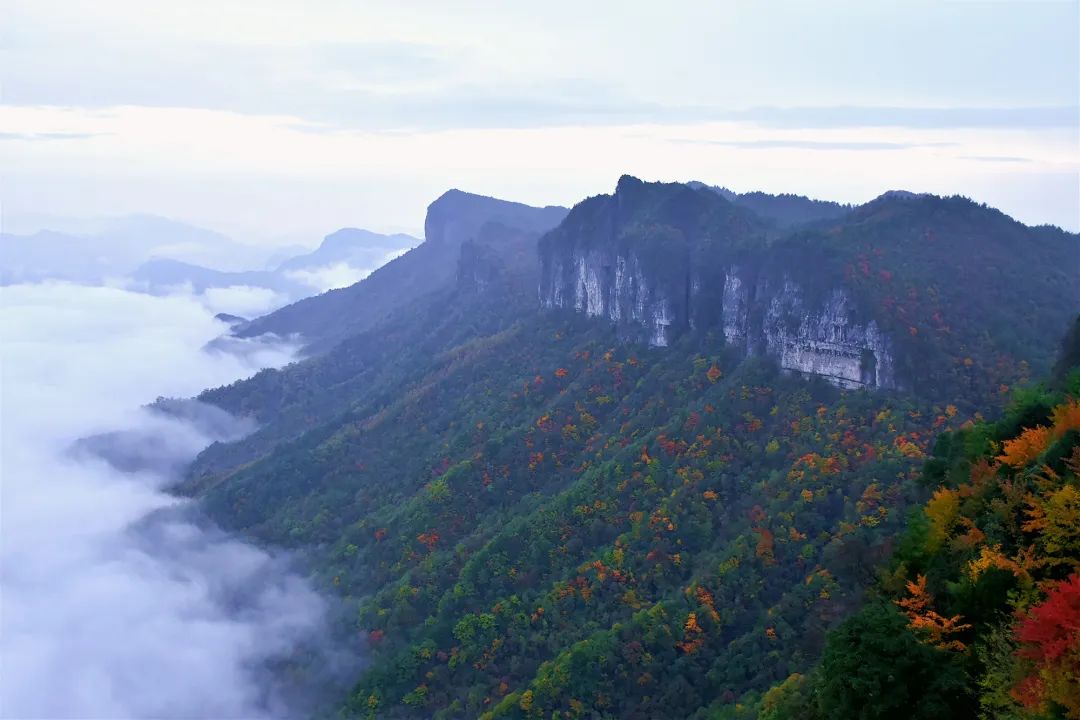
pixel 271 120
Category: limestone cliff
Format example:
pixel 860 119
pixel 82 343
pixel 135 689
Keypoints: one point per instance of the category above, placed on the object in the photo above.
pixel 658 260
pixel 826 340
pixel 615 286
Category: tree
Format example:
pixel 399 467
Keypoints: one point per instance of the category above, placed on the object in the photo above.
pixel 1049 637
pixel 922 618
pixel 874 668
pixel 790 700
pixel 942 510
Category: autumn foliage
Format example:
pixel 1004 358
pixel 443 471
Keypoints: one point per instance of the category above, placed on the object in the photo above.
pixel 922 618
pixel 1049 637
pixel 988 578
pixel 1033 442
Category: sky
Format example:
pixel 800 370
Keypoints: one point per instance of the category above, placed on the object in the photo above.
pixel 281 121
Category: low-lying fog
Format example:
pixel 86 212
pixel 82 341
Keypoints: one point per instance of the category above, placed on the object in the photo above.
pixel 118 600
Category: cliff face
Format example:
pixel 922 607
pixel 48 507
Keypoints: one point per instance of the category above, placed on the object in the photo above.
pixel 613 285
pixel 826 340
pixel 658 260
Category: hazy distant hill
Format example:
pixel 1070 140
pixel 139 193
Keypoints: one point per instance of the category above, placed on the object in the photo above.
pixel 455 217
pixel 89 251
pixel 343 257
pixel 357 248
pixel 163 276
pixel 160 255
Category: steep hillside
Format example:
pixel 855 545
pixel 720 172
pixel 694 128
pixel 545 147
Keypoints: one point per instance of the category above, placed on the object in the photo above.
pixel 493 289
pixel 455 217
pixel 906 290
pixel 543 493
pixel 615 500
pixel 978 611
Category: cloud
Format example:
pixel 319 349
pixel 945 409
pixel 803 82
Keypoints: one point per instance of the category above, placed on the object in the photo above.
pixel 997 158
pixel 242 300
pixel 813 144
pixel 47 136
pixel 383 67
pixel 314 182
pixel 329 277
pixel 340 274
pixel 120 600
pixel 852 116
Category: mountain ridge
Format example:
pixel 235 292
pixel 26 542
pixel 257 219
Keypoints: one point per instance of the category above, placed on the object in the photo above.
pixel 533 510
pixel 690 264
pixel 327 319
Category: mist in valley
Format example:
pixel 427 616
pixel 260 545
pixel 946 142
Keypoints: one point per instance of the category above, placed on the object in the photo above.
pixel 120 599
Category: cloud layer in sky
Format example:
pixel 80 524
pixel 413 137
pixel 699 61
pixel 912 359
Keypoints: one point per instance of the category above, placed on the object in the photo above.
pixel 119 601
pixel 269 118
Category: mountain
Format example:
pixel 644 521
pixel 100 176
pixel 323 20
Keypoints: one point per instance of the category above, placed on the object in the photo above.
pixel 452 219
pixel 156 236
pixel 353 247
pixel 844 300
pixel 154 253
pixel 977 613
pixel 785 210
pixel 163 276
pixel 47 255
pixel 343 257
pixel 641 466
pixel 91 251
pixel 458 216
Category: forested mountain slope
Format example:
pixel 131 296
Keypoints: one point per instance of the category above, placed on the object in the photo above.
pixel 785 210
pixel 542 512
pixel 455 217
pixel 978 611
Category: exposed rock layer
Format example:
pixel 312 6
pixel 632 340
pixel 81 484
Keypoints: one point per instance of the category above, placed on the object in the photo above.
pixel 659 276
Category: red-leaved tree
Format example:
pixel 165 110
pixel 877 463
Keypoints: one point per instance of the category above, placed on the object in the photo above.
pixel 1049 638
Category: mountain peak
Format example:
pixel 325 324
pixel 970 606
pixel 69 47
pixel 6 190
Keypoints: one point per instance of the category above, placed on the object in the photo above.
pixel 353 238
pixel 628 183
pixel 902 195
pixel 457 216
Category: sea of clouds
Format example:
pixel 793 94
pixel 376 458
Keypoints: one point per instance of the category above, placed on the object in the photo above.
pixel 117 599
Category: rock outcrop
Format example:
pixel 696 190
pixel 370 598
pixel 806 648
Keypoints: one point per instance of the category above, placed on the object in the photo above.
pixel 457 216
pixel 658 260
pixel 826 340
pixel 615 286
pixel 454 218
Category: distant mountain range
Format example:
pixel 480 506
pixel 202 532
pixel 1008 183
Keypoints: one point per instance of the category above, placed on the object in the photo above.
pixel 89 251
pixel 157 255
pixel 453 219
